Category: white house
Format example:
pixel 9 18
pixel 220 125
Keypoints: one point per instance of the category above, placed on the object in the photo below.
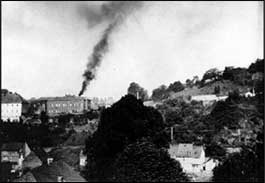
pixel 11 106
pixel 192 158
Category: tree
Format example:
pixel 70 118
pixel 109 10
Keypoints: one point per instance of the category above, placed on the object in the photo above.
pixel 257 66
pixel 160 93
pixel 173 117
pixel 176 87
pixel 211 74
pixel 143 162
pixel 136 90
pixel 123 123
pixel 238 75
pixel 215 151
pixel 44 117
pixel 246 166
pixel 189 83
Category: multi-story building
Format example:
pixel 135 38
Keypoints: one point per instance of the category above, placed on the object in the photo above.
pixel 11 106
pixel 61 105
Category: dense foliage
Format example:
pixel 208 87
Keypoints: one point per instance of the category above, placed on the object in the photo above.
pixel 160 93
pixel 143 162
pixel 126 122
pixel 246 166
pixel 135 89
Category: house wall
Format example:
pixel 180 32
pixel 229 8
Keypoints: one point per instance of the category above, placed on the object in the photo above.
pixel 192 165
pixel 11 111
pixel 10 156
pixel 27 150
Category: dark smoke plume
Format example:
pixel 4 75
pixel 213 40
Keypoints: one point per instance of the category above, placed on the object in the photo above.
pixel 115 13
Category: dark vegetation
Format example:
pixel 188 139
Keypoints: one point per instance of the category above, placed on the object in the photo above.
pixel 131 140
pixel 119 134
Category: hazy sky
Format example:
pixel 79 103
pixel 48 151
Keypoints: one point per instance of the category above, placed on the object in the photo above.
pixel 46 45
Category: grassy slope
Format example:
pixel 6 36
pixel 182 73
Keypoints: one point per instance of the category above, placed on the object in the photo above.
pixel 226 86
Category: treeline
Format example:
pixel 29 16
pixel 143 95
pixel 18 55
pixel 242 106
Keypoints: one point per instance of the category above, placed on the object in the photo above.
pixel 41 135
pixel 238 76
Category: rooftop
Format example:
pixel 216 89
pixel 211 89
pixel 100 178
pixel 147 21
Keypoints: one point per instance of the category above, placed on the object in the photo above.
pixel 50 173
pixel 64 98
pixel 28 177
pixel 9 97
pixel 185 150
pixel 14 146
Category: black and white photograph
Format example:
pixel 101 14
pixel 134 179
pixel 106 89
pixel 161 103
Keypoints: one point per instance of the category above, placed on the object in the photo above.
pixel 132 91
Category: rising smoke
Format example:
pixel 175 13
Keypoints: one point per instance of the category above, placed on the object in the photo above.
pixel 114 13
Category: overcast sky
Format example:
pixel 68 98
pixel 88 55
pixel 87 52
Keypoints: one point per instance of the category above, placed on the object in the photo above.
pixel 46 45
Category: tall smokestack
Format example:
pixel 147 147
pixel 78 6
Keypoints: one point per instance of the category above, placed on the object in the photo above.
pixel 171 134
pixel 115 12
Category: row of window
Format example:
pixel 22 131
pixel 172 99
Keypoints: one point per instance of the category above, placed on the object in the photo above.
pixel 56 111
pixel 10 111
pixel 13 105
pixel 64 105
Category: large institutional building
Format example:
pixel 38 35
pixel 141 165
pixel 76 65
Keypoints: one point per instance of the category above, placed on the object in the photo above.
pixel 11 106
pixel 61 105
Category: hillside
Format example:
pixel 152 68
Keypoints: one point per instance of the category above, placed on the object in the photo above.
pixel 226 86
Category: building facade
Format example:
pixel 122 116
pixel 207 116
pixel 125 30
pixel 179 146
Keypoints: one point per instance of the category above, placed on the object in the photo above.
pixel 61 105
pixel 11 111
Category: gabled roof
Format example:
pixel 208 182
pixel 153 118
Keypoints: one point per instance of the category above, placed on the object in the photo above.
pixel 8 97
pixel 13 146
pixel 185 150
pixel 32 161
pixel 40 153
pixel 50 173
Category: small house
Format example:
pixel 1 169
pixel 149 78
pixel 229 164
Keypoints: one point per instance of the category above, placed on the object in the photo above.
pixel 192 158
pixel 14 153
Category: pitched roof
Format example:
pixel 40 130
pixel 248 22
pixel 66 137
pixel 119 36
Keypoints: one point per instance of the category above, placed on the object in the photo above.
pixel 42 155
pixel 185 150
pixel 13 146
pixel 8 97
pixel 50 173
pixel 32 161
